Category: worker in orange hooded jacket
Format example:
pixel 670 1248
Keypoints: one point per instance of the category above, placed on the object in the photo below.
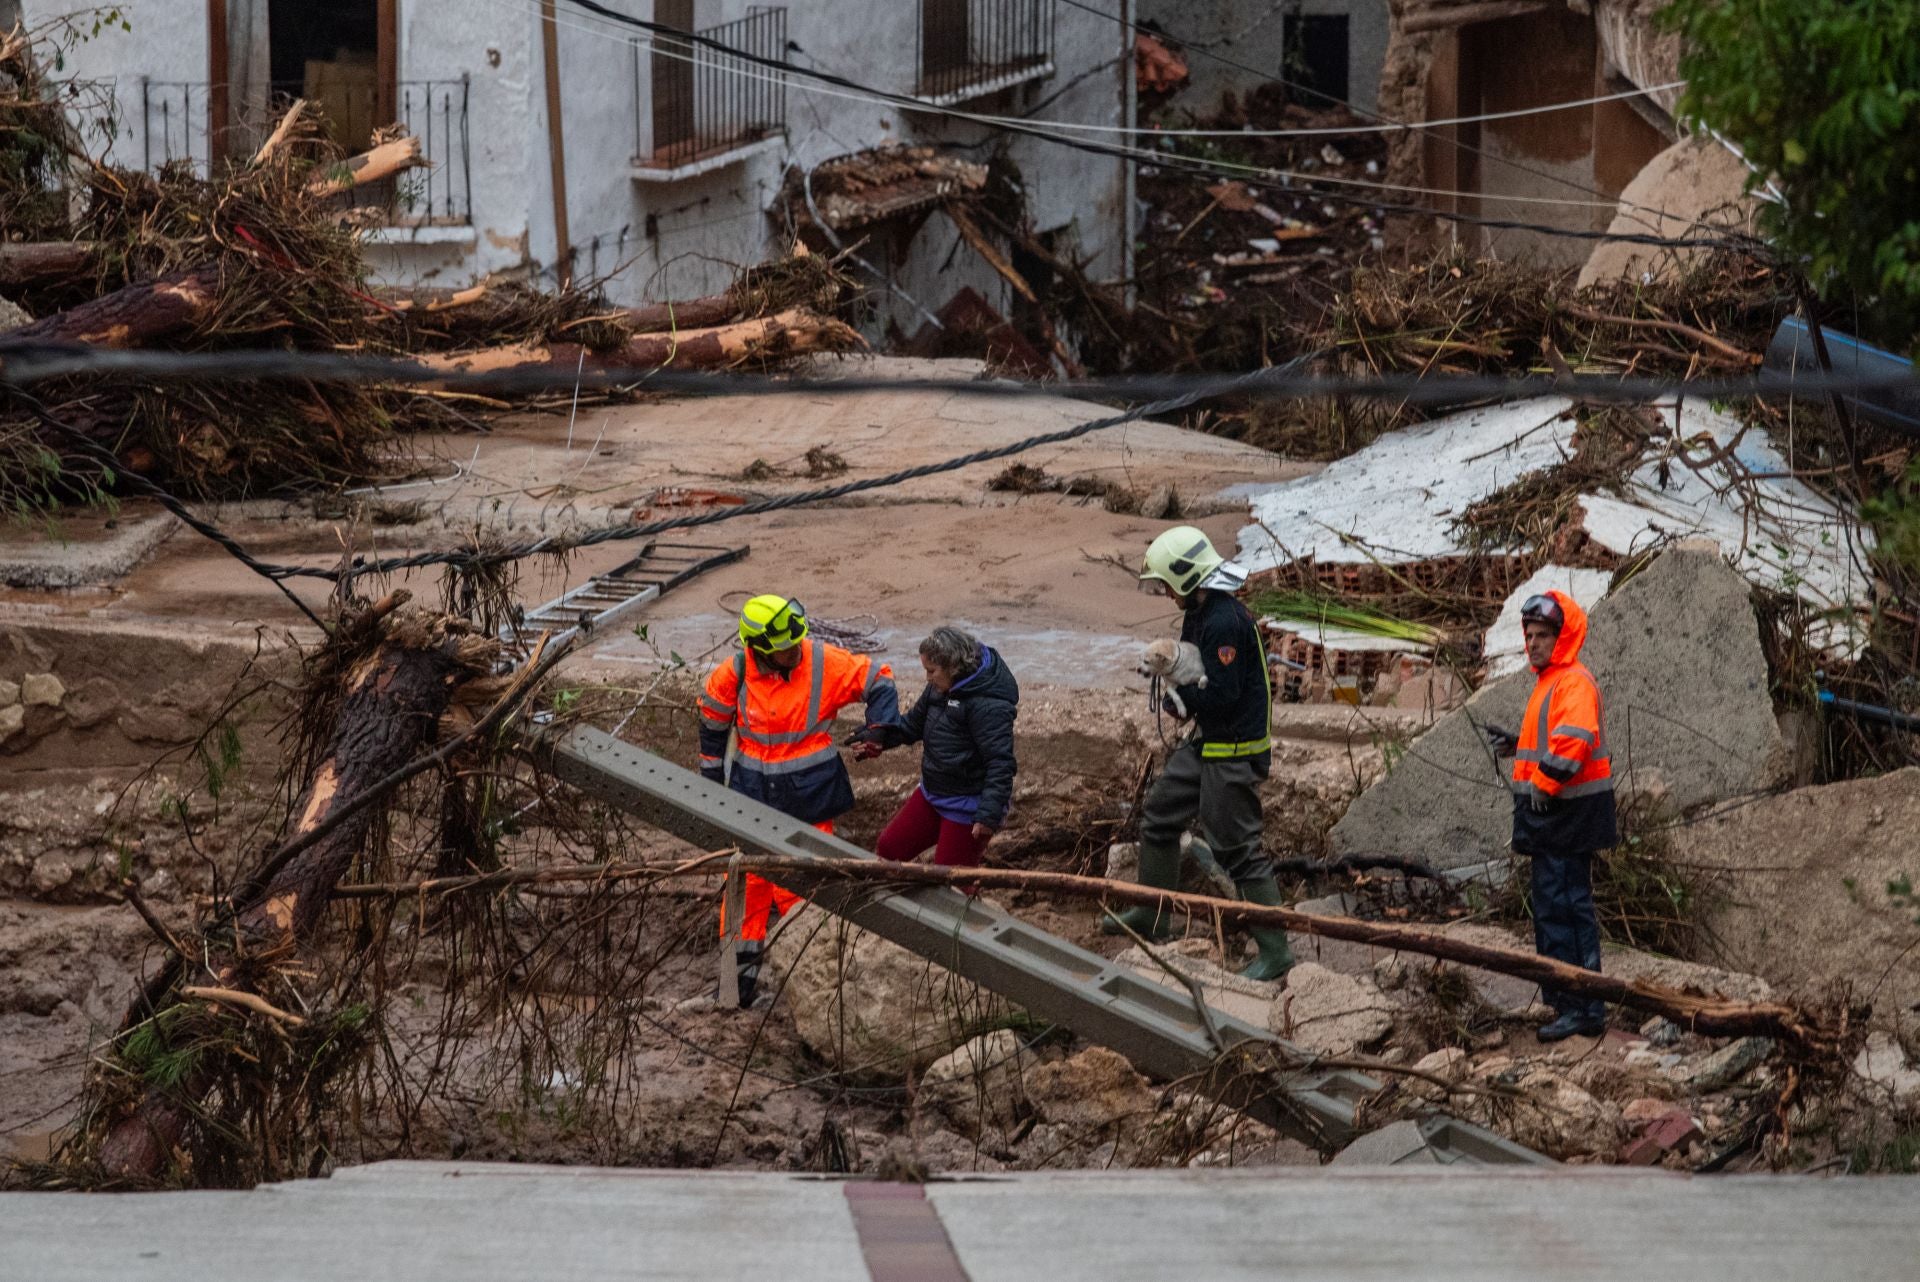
pixel 1562 800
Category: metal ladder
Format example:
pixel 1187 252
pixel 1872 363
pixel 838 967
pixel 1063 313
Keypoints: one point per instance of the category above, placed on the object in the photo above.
pixel 1162 1031
pixel 605 599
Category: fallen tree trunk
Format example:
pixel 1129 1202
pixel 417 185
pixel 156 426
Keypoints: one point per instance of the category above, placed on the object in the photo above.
pixel 35 262
pixel 790 333
pixel 1706 1013
pixel 695 313
pixel 393 703
pixel 134 316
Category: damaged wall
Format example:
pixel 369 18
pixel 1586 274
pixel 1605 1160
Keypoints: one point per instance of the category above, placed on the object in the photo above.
pixel 679 237
pixel 1581 156
pixel 1255 38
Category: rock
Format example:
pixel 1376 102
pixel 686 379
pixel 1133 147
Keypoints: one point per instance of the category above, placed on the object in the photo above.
pixel 1341 905
pixel 1390 973
pixel 1225 991
pixel 1661 1031
pixel 867 1006
pixel 1549 1114
pixel 1161 502
pixel 1094 1089
pixel 1671 972
pixel 9 693
pixel 1677 655
pixel 980 1084
pixel 1814 912
pixel 42 690
pixel 1693 185
pixel 1449 1062
pixel 1728 1064
pixel 95 700
pixel 12 719
pixel 1882 1064
pixel 1637 1113
pixel 12 315
pixel 1326 1011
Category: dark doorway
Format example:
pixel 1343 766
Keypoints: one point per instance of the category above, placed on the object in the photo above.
pixel 1316 66
pixel 328 52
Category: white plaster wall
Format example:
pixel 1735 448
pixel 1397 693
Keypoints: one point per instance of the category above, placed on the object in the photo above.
pixel 1251 33
pixel 653 240
pixel 168 43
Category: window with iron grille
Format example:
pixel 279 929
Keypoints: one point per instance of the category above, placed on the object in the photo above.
pixel 969 48
pixel 701 102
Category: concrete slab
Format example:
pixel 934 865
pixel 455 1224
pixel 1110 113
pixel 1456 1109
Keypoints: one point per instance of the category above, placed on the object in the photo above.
pixel 1689 720
pixel 475 1222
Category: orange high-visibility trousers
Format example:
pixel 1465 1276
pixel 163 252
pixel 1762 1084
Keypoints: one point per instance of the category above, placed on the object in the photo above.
pixel 761 898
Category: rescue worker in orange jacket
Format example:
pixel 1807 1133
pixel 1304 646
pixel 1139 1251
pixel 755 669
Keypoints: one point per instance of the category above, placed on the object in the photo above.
pixel 776 700
pixel 1562 800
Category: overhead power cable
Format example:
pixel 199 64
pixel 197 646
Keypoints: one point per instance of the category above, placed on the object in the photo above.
pixel 34 362
pixel 1277 381
pixel 1259 177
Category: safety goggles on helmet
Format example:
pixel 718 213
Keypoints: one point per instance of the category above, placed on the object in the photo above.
pixel 1542 608
pixel 770 624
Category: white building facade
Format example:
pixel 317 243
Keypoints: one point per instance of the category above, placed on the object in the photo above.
pixel 669 155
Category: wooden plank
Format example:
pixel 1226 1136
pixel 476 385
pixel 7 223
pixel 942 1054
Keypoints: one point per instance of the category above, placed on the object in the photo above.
pixel 556 145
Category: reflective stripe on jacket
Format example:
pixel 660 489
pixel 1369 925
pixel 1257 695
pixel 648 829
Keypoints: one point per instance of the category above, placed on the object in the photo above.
pixel 1563 752
pixel 782 725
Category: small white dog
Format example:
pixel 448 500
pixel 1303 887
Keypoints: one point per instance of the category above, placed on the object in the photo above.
pixel 1177 663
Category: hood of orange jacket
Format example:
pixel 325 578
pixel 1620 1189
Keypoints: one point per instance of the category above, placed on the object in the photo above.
pixel 1573 632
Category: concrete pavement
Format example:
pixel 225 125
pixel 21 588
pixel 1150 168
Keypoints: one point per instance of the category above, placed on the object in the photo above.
pixel 475 1222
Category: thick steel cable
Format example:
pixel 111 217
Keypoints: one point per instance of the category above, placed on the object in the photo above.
pixel 35 362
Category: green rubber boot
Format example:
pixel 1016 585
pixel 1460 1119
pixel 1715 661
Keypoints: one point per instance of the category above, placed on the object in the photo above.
pixel 1160 869
pixel 1276 954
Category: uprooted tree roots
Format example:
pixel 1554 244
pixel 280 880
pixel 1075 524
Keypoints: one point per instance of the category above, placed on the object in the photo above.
pixel 232 1049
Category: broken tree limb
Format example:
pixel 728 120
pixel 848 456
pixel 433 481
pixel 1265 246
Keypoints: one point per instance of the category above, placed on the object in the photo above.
pixel 393 701
pixel 139 314
pixel 1700 336
pixel 991 255
pixel 1709 1014
pixel 33 262
pixel 384 161
pixel 281 132
pixel 789 333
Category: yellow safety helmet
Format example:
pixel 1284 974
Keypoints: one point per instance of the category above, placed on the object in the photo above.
pixel 769 624
pixel 1181 558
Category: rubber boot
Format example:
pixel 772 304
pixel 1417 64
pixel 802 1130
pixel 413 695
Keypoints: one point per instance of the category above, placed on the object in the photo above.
pixel 1276 954
pixel 1160 869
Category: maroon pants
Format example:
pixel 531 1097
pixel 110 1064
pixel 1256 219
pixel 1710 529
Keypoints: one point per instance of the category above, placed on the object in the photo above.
pixel 918 825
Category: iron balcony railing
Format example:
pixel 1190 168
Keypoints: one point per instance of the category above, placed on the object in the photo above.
pixel 703 103
pixel 973 47
pixel 441 195
pixel 174 124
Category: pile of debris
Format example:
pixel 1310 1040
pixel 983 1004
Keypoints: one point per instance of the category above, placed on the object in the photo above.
pixel 264 253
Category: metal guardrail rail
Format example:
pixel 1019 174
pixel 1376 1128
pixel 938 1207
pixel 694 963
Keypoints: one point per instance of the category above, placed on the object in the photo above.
pixel 1160 1030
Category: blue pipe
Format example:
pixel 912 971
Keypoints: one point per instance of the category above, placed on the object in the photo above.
pixel 1829 701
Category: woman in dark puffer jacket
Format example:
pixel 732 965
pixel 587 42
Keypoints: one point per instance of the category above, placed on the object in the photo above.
pixel 964 719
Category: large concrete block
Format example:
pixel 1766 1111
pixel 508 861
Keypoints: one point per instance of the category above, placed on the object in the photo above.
pixel 1676 651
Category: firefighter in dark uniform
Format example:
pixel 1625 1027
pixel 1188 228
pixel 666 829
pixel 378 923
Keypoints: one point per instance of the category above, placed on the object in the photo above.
pixel 1213 777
